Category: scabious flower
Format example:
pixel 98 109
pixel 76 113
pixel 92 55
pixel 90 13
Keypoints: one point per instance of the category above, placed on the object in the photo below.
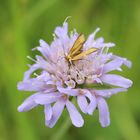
pixel 88 79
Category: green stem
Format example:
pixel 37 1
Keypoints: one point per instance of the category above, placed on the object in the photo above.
pixel 59 134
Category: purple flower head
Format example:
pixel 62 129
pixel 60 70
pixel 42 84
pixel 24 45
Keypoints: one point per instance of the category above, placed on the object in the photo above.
pixel 87 79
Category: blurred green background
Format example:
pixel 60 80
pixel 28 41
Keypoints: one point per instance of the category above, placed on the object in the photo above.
pixel 24 22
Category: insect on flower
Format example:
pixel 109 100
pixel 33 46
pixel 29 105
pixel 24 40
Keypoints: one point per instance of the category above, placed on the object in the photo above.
pixel 61 80
pixel 76 52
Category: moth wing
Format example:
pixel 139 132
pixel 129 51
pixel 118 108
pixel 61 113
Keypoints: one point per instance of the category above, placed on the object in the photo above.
pixel 78 44
pixel 83 54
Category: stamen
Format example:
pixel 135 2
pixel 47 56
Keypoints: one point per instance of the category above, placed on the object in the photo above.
pixel 81 92
pixel 34 49
pixel 70 83
pixel 65 96
pixel 31 59
pixel 35 74
pixel 54 36
pixel 67 18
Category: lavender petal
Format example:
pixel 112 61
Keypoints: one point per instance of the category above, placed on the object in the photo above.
pixel 116 80
pixel 57 110
pixel 92 105
pixel 28 104
pixel 82 102
pixel 104 115
pixel 75 116
pixel 48 112
pixel 112 65
pixel 28 73
pixel 47 98
pixel 108 92
pixel 71 92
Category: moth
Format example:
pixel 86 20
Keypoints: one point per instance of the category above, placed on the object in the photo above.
pixel 76 52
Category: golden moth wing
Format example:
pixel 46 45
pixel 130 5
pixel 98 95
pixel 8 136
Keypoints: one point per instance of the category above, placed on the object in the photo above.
pixel 78 44
pixel 83 54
